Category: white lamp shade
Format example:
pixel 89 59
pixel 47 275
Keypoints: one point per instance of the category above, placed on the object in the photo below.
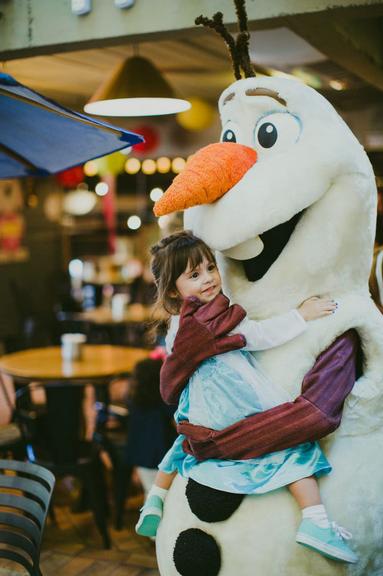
pixel 135 88
pixel 137 107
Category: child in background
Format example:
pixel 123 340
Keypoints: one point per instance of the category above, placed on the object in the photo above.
pixel 230 386
pixel 151 429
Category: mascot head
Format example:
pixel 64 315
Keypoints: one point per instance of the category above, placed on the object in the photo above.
pixel 287 198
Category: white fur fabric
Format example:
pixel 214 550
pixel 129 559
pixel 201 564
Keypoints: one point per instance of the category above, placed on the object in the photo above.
pixel 326 172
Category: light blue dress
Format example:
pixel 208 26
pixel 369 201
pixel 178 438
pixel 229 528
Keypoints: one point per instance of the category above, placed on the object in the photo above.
pixel 227 388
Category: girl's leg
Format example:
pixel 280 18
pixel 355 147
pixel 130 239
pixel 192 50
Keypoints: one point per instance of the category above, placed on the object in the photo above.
pixel 147 477
pixel 151 513
pixel 164 480
pixel 306 492
pixel 307 495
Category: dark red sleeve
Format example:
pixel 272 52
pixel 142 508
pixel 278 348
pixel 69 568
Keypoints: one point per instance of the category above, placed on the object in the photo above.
pixel 203 332
pixel 314 414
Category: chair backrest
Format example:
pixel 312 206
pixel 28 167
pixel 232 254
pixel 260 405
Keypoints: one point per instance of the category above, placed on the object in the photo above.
pixel 25 494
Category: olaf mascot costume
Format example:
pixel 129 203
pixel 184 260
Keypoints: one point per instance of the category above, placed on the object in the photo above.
pixel 312 182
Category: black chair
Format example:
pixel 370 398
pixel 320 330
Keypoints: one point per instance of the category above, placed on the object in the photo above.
pixel 25 494
pixel 11 434
pixel 113 441
pixel 57 442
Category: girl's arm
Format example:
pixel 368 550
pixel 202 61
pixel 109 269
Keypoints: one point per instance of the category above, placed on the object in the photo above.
pixel 280 329
pixel 264 334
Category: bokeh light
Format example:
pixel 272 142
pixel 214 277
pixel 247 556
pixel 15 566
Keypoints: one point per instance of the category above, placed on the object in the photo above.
pixel 178 164
pixel 101 189
pixel 156 194
pixel 149 166
pixel 90 168
pixel 132 165
pixel 134 222
pixel 163 164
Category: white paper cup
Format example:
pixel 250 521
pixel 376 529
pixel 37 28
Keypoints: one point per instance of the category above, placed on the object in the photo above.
pixel 72 346
pixel 119 302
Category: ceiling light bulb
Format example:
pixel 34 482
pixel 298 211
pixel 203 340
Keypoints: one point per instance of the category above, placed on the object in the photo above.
pixel 90 168
pixel 178 164
pixel 163 165
pixel 101 189
pixel 337 84
pixel 149 166
pixel 156 194
pixel 79 202
pixel 134 222
pixel 132 166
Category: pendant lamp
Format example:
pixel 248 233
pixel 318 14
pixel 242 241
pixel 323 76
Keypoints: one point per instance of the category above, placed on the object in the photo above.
pixel 135 88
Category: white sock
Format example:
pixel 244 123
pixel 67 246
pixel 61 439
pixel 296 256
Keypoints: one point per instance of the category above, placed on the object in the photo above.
pixel 157 491
pixel 317 514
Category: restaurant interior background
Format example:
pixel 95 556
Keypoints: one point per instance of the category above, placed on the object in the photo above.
pixel 74 247
pixel 71 241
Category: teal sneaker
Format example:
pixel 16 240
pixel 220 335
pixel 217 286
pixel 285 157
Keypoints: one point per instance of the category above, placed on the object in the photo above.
pixel 150 517
pixel 328 541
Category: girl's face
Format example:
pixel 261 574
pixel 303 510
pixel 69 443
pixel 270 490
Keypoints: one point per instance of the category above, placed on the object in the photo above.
pixel 203 281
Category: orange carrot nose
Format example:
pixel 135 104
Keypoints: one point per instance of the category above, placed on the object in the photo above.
pixel 208 175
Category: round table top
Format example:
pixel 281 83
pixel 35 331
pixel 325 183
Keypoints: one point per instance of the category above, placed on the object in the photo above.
pixel 134 314
pixel 97 362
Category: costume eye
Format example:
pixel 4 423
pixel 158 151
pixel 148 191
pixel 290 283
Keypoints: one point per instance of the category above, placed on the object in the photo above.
pixel 231 132
pixel 277 131
pixel 267 135
pixel 228 136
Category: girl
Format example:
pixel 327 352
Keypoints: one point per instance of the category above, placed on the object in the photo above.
pixel 227 388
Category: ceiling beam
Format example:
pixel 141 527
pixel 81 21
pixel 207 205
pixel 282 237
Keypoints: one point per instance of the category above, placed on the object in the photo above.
pixel 33 27
pixel 354 43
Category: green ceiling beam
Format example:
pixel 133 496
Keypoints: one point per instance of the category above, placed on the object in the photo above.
pixel 352 41
pixel 31 27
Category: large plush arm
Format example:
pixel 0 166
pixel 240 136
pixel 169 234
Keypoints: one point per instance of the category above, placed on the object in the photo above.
pixel 203 332
pixel 314 414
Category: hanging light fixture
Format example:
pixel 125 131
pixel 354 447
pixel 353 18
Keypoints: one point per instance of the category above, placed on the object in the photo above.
pixel 135 88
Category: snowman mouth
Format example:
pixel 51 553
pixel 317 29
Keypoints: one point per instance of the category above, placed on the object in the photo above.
pixel 274 241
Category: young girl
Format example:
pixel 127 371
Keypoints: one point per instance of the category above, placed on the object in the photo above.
pixel 228 387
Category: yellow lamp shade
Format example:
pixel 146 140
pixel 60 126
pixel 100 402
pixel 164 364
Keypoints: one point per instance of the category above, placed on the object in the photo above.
pixel 199 117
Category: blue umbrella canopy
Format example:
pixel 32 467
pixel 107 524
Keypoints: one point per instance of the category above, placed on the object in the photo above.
pixel 40 137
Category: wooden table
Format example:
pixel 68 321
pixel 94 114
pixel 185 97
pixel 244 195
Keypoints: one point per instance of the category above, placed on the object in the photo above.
pixel 64 383
pixel 135 313
pixel 100 325
pixel 100 363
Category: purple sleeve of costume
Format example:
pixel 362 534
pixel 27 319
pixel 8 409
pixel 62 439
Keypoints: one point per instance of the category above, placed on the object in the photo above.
pixel 314 414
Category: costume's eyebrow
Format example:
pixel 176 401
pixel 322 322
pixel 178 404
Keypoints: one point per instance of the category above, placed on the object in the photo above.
pixel 266 92
pixel 228 98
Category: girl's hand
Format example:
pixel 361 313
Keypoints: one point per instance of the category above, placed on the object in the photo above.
pixel 316 307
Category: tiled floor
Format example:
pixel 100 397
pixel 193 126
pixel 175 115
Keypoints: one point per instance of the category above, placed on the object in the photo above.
pixel 73 548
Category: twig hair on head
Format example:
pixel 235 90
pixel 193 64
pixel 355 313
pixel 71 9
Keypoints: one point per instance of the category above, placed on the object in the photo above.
pixel 239 47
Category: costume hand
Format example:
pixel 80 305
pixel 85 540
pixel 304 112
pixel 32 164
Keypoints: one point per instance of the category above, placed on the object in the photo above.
pixel 203 332
pixel 216 319
pixel 317 307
